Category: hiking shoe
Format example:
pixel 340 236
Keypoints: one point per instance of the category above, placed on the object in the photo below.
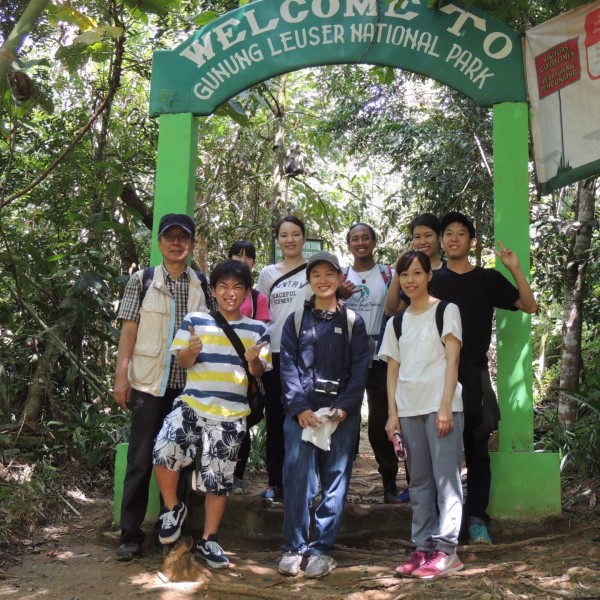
pixel 170 523
pixel 438 563
pixel 290 563
pixel 272 492
pixel 416 560
pixel 128 551
pixel 395 497
pixel 211 552
pixel 478 534
pixel 319 565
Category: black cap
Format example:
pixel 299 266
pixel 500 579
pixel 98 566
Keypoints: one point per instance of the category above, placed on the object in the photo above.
pixel 323 256
pixel 179 220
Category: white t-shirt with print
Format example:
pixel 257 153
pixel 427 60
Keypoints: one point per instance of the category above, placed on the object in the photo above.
pixel 369 300
pixel 287 297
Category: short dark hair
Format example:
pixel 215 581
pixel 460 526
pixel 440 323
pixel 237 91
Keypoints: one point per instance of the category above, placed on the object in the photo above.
pixel 371 230
pixel 290 219
pixel 409 257
pixel 234 269
pixel 456 217
pixel 426 220
pixel 243 247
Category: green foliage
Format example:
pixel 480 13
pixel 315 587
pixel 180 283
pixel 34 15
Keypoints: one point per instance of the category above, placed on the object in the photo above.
pixel 256 460
pixel 578 447
pixel 24 492
pixel 91 435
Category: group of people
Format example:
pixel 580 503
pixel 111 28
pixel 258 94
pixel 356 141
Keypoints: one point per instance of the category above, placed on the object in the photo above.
pixel 316 337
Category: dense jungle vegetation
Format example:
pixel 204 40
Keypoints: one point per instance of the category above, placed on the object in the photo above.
pixel 77 165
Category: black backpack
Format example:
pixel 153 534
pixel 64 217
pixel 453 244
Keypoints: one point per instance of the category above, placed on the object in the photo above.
pixel 439 319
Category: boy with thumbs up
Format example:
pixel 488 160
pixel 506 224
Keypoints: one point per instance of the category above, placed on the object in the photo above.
pixel 210 414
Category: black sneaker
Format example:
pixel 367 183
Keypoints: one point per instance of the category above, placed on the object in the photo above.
pixel 170 523
pixel 211 553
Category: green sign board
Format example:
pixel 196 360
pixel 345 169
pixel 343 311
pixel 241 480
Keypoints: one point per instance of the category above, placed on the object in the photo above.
pixel 311 246
pixel 463 47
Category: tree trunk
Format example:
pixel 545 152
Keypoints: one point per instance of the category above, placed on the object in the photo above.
pixel 574 293
pixel 279 153
pixel 40 387
pixel 4 396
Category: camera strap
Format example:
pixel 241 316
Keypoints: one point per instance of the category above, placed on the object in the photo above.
pixel 346 322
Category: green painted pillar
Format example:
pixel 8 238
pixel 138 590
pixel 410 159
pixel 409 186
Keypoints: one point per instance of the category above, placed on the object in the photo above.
pixel 511 227
pixel 524 483
pixel 175 170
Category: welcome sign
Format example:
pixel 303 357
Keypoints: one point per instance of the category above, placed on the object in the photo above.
pixel 464 48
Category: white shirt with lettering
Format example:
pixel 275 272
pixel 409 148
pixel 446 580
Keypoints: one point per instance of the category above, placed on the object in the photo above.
pixel 287 297
pixel 369 299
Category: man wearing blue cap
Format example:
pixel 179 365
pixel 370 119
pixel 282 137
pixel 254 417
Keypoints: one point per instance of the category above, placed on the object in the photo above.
pixel 147 378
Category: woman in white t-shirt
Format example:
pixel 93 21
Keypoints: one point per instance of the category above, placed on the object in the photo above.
pixel 425 405
pixel 286 287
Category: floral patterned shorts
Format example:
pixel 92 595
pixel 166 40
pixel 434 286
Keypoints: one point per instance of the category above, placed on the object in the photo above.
pixel 184 431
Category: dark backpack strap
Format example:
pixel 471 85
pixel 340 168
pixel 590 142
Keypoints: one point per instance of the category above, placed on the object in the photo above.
pixel 287 275
pixel 398 323
pixel 203 282
pixel 254 293
pixel 439 317
pixel 210 304
pixel 147 278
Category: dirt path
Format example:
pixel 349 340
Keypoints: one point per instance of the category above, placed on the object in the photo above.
pixel 73 558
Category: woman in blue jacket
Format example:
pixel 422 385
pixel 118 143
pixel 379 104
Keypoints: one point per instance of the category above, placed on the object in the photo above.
pixel 324 366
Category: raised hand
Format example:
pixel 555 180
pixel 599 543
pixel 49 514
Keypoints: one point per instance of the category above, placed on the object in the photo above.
pixel 509 259
pixel 252 352
pixel 195 343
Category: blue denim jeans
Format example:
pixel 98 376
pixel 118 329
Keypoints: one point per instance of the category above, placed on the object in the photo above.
pixel 304 465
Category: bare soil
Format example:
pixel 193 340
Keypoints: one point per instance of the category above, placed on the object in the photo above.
pixel 72 556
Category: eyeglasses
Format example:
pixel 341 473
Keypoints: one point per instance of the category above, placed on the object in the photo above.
pixel 169 237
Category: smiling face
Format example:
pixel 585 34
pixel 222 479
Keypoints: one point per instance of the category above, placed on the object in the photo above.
pixel 414 280
pixel 290 239
pixel 324 280
pixel 426 240
pixel 456 241
pixel 175 245
pixel 360 242
pixel 230 293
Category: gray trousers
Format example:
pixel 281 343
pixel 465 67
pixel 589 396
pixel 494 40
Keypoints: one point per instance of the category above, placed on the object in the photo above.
pixel 435 487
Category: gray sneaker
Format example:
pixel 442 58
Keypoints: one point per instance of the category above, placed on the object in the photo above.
pixel 290 563
pixel 319 565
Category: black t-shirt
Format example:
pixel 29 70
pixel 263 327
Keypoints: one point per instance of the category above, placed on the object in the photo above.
pixel 476 293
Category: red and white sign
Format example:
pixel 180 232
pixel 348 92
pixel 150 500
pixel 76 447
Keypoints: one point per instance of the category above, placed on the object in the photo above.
pixel 562 68
pixel 558 67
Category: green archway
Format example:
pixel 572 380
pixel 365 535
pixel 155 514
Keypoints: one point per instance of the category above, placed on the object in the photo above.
pixel 463 48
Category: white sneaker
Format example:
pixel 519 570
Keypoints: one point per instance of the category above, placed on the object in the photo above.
pixel 290 563
pixel 319 565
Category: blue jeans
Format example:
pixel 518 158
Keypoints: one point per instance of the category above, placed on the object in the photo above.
pixel 303 466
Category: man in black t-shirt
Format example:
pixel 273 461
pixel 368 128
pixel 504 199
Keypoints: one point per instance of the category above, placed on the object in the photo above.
pixel 477 292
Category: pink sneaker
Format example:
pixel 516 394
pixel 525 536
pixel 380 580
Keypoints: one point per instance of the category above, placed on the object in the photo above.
pixel 438 563
pixel 416 559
